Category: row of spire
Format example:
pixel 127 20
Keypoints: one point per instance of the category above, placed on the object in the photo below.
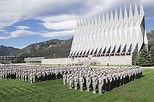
pixel 102 19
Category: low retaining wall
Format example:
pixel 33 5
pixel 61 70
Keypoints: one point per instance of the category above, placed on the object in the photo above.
pixel 111 60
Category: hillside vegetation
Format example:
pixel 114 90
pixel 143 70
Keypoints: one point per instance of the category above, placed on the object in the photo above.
pixel 150 37
pixel 59 48
pixel 7 51
pixel 49 49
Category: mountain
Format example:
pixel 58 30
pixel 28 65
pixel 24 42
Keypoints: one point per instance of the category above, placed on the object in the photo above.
pixel 58 48
pixel 49 49
pixel 150 37
pixel 7 51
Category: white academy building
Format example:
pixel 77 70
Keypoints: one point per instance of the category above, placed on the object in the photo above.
pixel 109 38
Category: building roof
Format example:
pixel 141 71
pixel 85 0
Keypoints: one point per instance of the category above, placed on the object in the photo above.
pixel 33 59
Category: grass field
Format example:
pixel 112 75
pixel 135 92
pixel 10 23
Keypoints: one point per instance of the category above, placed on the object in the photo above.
pixel 141 90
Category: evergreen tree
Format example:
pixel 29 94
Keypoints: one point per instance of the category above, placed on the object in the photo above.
pixel 152 53
pixel 144 58
pixel 134 57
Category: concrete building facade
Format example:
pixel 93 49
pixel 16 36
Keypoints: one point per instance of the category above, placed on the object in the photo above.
pixel 110 35
pixel 33 59
pixel 7 59
pixel 110 38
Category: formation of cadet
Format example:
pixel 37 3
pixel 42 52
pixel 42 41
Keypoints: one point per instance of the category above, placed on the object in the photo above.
pixel 100 80
pixel 77 77
pixel 33 73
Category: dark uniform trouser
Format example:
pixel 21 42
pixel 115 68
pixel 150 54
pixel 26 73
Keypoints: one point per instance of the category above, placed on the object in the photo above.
pixel 122 80
pixel 112 83
pixel 118 82
pixel 131 78
pixel 108 85
pixel 105 86
pixel 127 79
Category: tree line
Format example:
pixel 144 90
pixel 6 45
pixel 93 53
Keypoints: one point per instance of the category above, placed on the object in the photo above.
pixel 144 57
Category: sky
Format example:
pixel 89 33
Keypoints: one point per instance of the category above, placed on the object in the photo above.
pixel 23 22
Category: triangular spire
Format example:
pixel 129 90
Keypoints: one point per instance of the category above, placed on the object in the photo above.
pixel 146 40
pixel 77 23
pixel 83 22
pixel 116 15
pixel 86 20
pixel 92 20
pixel 89 21
pixel 141 8
pixel 136 10
pixel 107 17
pixel 96 21
pixel 111 16
pixel 120 16
pixel 80 22
pixel 103 18
pixel 125 14
pixel 130 11
pixel 99 19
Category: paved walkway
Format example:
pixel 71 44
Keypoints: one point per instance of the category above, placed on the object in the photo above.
pixel 148 67
pixel 99 66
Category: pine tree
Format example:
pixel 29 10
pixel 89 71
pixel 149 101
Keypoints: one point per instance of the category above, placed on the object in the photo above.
pixel 134 57
pixel 152 53
pixel 144 58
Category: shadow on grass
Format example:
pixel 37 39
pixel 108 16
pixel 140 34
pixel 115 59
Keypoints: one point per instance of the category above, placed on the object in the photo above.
pixel 142 76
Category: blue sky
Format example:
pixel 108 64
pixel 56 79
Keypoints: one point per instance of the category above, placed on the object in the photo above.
pixel 23 22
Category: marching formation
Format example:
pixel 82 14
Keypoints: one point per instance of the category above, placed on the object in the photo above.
pixel 100 80
pixel 77 77
pixel 33 73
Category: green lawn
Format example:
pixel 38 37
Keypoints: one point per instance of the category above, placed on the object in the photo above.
pixel 141 90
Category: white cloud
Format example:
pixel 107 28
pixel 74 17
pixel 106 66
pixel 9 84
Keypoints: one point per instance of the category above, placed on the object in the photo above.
pixel 58 18
pixel 18 33
pixel 22 27
pixel 60 22
pixel 70 24
pixel 6 23
pixel 58 14
pixel 54 34
pixel 2 30
pixel 58 33
pixel 21 33
pixel 17 10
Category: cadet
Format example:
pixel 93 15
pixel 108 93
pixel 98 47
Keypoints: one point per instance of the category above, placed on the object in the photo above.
pixel 88 82
pixel 94 83
pixel 81 82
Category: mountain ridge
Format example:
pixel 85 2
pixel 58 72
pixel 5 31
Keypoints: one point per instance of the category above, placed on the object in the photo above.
pixel 7 51
pixel 50 48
